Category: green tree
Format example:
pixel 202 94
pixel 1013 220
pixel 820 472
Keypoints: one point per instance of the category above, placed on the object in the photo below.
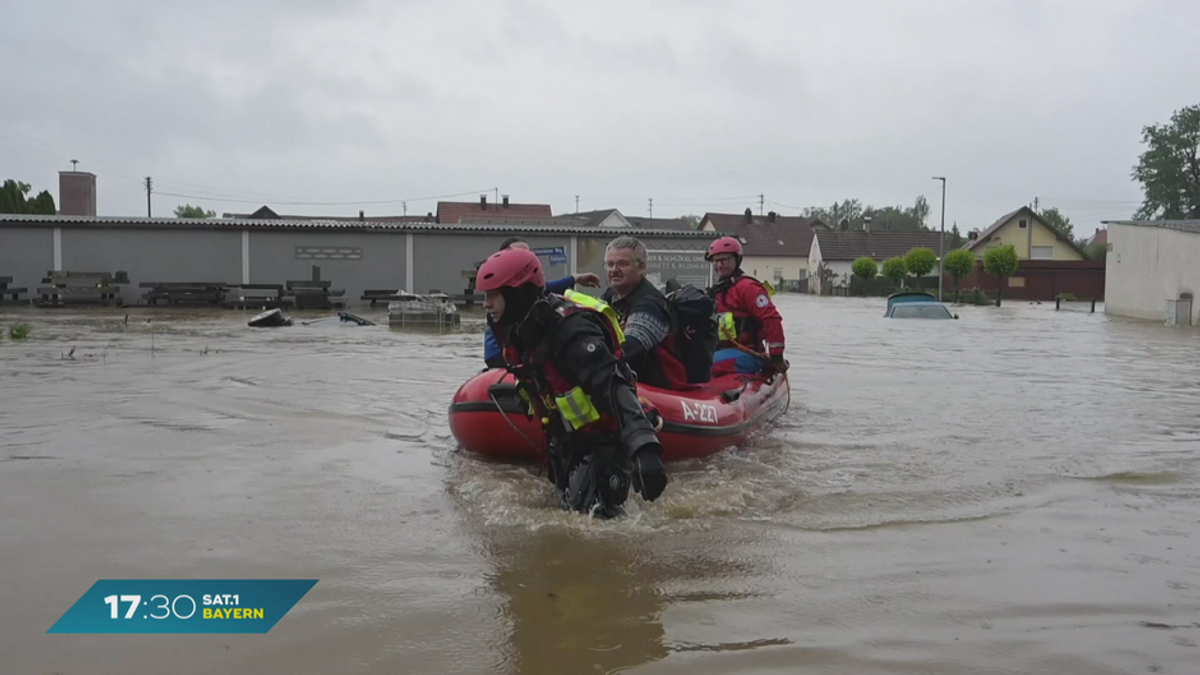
pixel 1096 251
pixel 692 220
pixel 864 268
pixel 894 269
pixel 919 262
pixel 1169 169
pixel 958 264
pixel 189 211
pixel 1056 220
pixel 1000 262
pixel 956 238
pixel 13 199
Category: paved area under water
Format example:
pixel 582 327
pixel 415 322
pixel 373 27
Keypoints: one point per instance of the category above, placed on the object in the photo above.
pixel 1014 492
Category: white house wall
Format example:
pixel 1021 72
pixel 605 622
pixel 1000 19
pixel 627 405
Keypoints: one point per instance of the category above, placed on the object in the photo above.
pixel 1146 266
pixel 791 268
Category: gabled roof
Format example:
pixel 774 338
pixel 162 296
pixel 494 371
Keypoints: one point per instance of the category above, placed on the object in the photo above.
pixel 855 244
pixel 760 235
pixel 589 218
pixel 265 212
pixel 1029 213
pixel 660 223
pixel 449 213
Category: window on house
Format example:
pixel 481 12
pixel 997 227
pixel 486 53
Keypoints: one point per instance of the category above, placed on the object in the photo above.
pixel 1023 224
pixel 1042 253
pixel 1016 282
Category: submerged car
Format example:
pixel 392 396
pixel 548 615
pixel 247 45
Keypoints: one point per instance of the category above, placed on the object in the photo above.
pixel 916 305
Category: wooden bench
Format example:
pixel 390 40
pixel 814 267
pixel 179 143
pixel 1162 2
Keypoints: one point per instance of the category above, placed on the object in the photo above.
pixel 81 288
pixel 6 292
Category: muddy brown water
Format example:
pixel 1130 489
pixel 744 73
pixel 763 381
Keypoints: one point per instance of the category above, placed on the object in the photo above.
pixel 1013 492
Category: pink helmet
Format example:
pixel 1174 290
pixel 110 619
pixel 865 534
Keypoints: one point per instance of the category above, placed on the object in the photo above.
pixel 511 267
pixel 724 245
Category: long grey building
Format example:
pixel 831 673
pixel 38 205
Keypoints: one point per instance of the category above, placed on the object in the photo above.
pixel 418 257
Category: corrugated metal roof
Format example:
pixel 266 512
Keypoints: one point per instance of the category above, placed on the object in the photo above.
pixel 1182 225
pixel 25 220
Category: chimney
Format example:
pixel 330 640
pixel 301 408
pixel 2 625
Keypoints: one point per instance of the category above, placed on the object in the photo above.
pixel 483 202
pixel 867 224
pixel 770 216
pixel 361 215
pixel 973 235
pixel 749 216
pixel 506 201
pixel 76 193
pixel 429 217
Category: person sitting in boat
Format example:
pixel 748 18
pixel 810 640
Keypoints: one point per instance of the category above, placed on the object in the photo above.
pixel 751 329
pixel 645 316
pixel 491 349
pixel 566 355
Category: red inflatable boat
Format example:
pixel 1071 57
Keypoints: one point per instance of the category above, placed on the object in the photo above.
pixel 487 417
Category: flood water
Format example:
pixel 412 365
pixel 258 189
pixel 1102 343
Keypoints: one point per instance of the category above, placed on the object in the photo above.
pixel 1015 492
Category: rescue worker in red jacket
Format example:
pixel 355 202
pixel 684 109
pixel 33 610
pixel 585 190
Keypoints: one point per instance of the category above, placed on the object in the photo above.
pixel 565 353
pixel 751 329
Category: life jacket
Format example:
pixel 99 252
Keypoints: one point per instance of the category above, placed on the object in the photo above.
pixel 736 324
pixel 553 392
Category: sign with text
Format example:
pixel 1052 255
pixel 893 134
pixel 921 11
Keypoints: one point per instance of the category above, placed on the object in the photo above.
pixel 557 254
pixel 688 267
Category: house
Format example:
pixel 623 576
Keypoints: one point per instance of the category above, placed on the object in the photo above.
pixel 833 252
pixel 450 213
pixel 1151 271
pixel 265 212
pixel 775 248
pixel 1029 234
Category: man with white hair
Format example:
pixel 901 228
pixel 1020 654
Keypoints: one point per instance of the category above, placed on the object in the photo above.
pixel 645 314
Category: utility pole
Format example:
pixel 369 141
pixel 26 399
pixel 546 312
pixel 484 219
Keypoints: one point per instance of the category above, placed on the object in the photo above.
pixel 652 207
pixel 1035 205
pixel 942 240
pixel 148 197
pixel 497 191
pixel 576 203
pixel 405 206
pixel 761 200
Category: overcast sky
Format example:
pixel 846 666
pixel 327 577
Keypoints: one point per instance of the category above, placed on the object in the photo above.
pixel 701 105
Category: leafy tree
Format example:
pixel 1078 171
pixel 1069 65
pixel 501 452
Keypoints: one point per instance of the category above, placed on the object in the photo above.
pixel 1097 251
pixel 189 211
pixel 1000 262
pixel 692 220
pixel 894 269
pixel 13 200
pixel 1058 221
pixel 849 214
pixel 864 268
pixel 958 263
pixel 1169 170
pixel 919 262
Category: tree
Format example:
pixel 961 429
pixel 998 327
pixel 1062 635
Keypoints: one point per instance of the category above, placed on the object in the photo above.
pixel 956 238
pixel 959 263
pixel 1169 170
pixel 12 199
pixel 1058 221
pixel 894 269
pixel 864 268
pixel 1097 251
pixel 1000 262
pixel 920 212
pixel 189 211
pixel 692 220
pixel 919 262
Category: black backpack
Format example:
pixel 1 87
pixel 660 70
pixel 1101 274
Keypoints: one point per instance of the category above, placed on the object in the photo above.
pixel 696 333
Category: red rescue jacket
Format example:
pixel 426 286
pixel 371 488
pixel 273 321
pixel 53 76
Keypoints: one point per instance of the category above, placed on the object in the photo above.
pixel 754 316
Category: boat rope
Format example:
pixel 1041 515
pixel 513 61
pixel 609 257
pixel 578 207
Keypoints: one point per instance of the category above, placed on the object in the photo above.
pixel 503 414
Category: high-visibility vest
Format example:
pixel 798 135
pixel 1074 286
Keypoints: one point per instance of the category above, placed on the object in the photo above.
pixel 574 405
pixel 726 325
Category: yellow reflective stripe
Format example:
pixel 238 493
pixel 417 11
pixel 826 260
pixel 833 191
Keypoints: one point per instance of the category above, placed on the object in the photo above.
pixel 599 305
pixel 770 289
pixel 576 408
pixel 726 329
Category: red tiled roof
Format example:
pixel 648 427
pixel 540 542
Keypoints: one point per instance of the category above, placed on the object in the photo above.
pixel 449 213
pixel 789 236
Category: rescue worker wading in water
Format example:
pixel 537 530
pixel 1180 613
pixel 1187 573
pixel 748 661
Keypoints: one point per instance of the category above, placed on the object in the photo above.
pixel 750 328
pixel 565 353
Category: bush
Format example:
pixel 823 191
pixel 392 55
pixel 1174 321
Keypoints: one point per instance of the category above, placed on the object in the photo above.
pixel 18 331
pixel 920 261
pixel 975 296
pixel 895 270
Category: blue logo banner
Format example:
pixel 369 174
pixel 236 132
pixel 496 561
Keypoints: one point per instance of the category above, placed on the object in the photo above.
pixel 557 254
pixel 183 606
